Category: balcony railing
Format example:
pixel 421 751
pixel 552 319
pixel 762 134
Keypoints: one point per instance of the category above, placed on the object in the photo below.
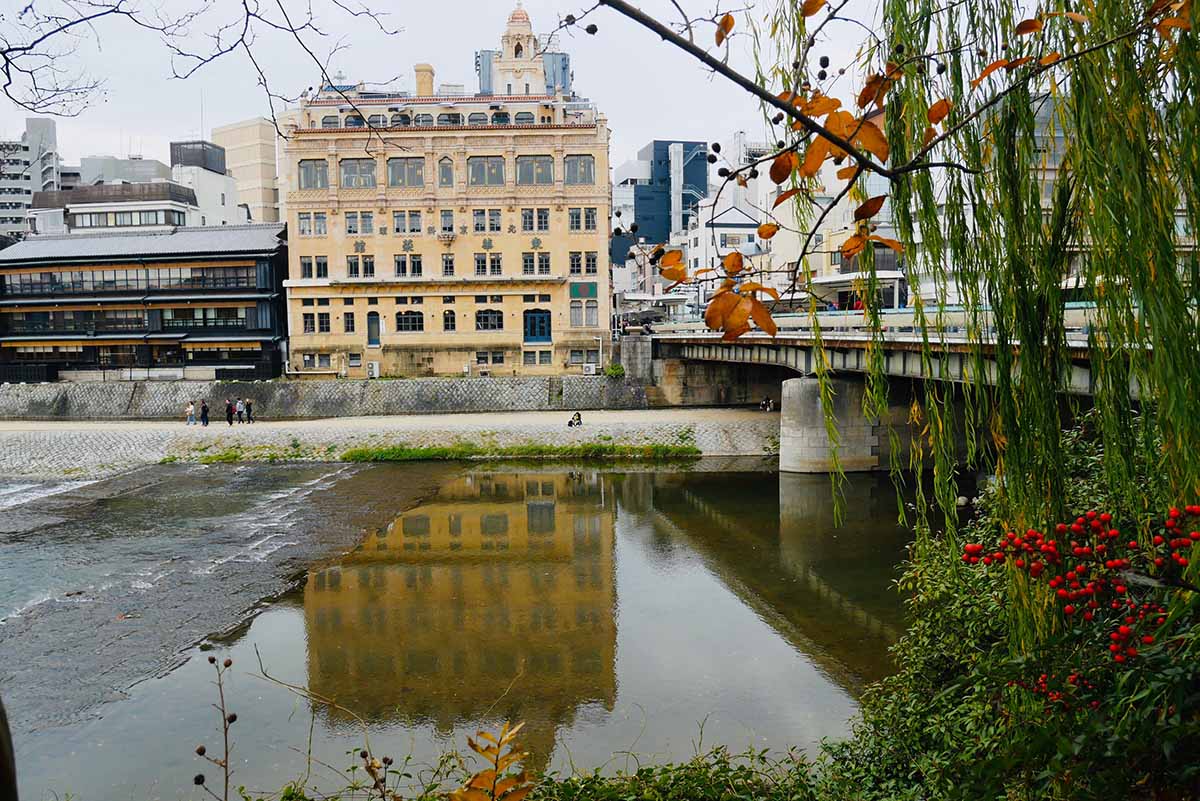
pixel 176 324
pixel 75 326
pixel 88 287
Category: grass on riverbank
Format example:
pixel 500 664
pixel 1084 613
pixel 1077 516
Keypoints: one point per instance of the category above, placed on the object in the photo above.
pixel 461 451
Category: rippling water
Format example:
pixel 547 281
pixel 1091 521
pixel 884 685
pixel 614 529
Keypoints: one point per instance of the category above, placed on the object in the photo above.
pixel 616 612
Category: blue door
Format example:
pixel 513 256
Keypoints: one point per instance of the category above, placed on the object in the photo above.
pixel 537 325
pixel 373 330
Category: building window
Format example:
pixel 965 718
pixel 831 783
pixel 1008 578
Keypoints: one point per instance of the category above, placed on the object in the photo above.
pixel 524 117
pixel 352 266
pixel 310 323
pixel 593 357
pixel 410 321
pixel 306 267
pixel 489 320
pixel 348 322
pixel 589 219
pixel 449 119
pixel 358 173
pixel 367 222
pixel 447 221
pixel 408 172
pixel 494 221
pixel 415 267
pixel 592 308
pixel 323 323
pixel 485 171
pixel 575 219
pixel 576 313
pixel 355 360
pixel 352 222
pixel 576 357
pixel 314 173
pixel 323 360
pixel 480 264
pixel 406 222
pixel 477 118
pixel 481 357
pixel 543 219
pixel 368 266
pixel 446 172
pixel 535 170
pixel 322 267
pixel 330 121
pixel 479 219
pixel 545 356
pixel 355 121
pixel 309 361
pixel 591 261
pixel 497 357
pixel 580 169
pixel 423 120
pixel 401 264
pixel 529 358
pixel 576 263
pixel 401 120
pixel 544 298
pixel 501 117
pixel 319 226
pixel 448 321
pixel 448 264
pixel 304 224
pixel 527 267
pixel 835 257
pixel 543 263
pixel 526 219
pixel 496 263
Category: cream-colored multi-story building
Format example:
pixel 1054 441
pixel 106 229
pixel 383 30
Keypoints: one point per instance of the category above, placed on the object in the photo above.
pixel 250 156
pixel 446 233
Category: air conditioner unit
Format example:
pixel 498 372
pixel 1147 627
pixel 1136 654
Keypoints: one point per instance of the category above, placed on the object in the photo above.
pixel 372 369
pixel 467 368
pixel 589 369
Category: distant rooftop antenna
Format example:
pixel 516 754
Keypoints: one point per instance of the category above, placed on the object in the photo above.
pixel 339 78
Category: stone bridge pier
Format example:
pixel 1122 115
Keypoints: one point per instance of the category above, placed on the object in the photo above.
pixel 863 442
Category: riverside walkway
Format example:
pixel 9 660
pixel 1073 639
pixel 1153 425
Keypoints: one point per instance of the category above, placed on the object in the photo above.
pixel 96 449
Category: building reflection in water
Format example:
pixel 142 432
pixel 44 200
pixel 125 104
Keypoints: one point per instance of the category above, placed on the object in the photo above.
pixel 493 601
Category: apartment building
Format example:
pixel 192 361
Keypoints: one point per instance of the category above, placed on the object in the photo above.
pixel 250 148
pixel 27 165
pixel 447 233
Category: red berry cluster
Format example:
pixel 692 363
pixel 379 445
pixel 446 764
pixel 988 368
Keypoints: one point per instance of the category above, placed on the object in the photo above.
pixel 1060 694
pixel 1090 576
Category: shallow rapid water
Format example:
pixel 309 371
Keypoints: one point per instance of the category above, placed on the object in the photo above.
pixel 623 614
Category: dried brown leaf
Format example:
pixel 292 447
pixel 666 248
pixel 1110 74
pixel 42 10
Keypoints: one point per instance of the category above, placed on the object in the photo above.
pixel 1049 58
pixel 734 263
pixel 1028 26
pixel 871 139
pixel 718 308
pixel 938 111
pixel 891 243
pixel 988 70
pixel 1018 62
pixel 869 208
pixel 782 166
pixel 762 317
pixel 724 27
pixel 767 230
pixel 930 135
pixel 785 197
pixel 671 258
pixel 814 157
pixel 676 272
pixel 811 7
pixel 852 246
pixel 849 171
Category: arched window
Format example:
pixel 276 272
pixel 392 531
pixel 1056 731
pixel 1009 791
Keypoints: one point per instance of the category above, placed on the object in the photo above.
pixel 518 51
pixel 477 118
pixel 592 307
pixel 423 120
pixel 449 119
pixel 410 321
pixel 576 313
pixel 489 320
pixel 449 323
pixel 401 120
pixel 354 121
pixel 330 122
pixel 524 118
pixel 446 172
pixel 378 120
pixel 500 118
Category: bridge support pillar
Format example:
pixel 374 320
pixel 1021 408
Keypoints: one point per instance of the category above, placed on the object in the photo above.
pixel 804 445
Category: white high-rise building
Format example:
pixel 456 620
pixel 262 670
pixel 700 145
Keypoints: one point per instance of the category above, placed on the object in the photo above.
pixel 27 165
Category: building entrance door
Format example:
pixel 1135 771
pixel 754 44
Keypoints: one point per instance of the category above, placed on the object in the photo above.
pixel 373 330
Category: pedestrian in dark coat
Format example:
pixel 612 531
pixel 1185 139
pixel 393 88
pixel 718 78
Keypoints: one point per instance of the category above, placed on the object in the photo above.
pixel 204 413
pixel 229 411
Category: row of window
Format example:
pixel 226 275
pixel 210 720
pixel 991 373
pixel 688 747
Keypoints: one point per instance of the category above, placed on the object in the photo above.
pixel 425 120
pixel 120 219
pixel 417 300
pixel 582 313
pixel 529 358
pixel 484 221
pixel 409 172
pixel 412 265
pixel 78 281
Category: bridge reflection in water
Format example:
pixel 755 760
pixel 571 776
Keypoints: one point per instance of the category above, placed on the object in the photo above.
pixel 494 601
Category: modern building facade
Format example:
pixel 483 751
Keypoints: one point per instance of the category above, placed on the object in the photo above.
pixel 27 165
pixel 449 233
pixel 200 166
pixel 182 303
pixel 251 157
pixel 116 170
pixel 659 190
pixel 127 207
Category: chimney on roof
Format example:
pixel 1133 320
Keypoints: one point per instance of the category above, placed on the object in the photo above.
pixel 424 73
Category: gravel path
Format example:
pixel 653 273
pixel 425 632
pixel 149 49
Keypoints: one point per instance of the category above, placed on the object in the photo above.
pixel 92 449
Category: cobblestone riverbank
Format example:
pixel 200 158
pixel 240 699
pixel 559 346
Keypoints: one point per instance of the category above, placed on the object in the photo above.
pixel 96 449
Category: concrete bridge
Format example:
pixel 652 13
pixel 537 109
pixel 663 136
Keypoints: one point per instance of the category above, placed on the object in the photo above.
pixel 684 364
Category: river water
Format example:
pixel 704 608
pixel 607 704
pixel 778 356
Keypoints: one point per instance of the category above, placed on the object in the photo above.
pixel 625 614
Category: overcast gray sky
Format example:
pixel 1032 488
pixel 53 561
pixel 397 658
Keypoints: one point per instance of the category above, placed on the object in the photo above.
pixel 646 88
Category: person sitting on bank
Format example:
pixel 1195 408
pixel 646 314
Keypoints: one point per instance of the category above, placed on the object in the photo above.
pixel 575 421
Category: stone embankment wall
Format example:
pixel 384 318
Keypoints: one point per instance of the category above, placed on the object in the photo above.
pixel 297 400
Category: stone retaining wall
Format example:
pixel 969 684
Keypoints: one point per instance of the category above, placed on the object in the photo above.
pixel 293 400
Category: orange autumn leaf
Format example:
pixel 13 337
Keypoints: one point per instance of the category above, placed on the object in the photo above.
pixel 670 258
pixel 849 171
pixel 737 319
pixel 789 97
pixel 891 243
pixel 724 27
pixel 811 7
pixel 1167 24
pixel 762 317
pixel 750 287
pixel 819 105
pixel 878 85
pixel 718 308
pixel 785 197
pixel 814 157
pixel 988 70
pixel 782 166
pixel 734 263
pixel 930 135
pixel 767 230
pixel 676 272
pixel 853 246
pixel 938 111
pixel 871 139
pixel 869 208
pixel 1075 16
pixel 1018 62
pixel 1028 26
pixel 1049 58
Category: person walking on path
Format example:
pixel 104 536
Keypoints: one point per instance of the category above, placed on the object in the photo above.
pixel 204 413
pixel 241 411
pixel 190 412
pixel 229 411
pixel 249 410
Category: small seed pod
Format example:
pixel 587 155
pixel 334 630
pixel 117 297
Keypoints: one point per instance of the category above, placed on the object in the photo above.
pixel 716 146
pixel 778 118
pixel 387 761
pixel 712 159
pixel 822 75
pixel 753 172
pixel 824 62
pixel 212 660
pixel 617 232
pixel 569 19
pixel 633 229
pixel 592 29
pixel 201 750
pixel 199 779
pixel 723 172
pixel 363 754
pixel 228 663
pixel 231 717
